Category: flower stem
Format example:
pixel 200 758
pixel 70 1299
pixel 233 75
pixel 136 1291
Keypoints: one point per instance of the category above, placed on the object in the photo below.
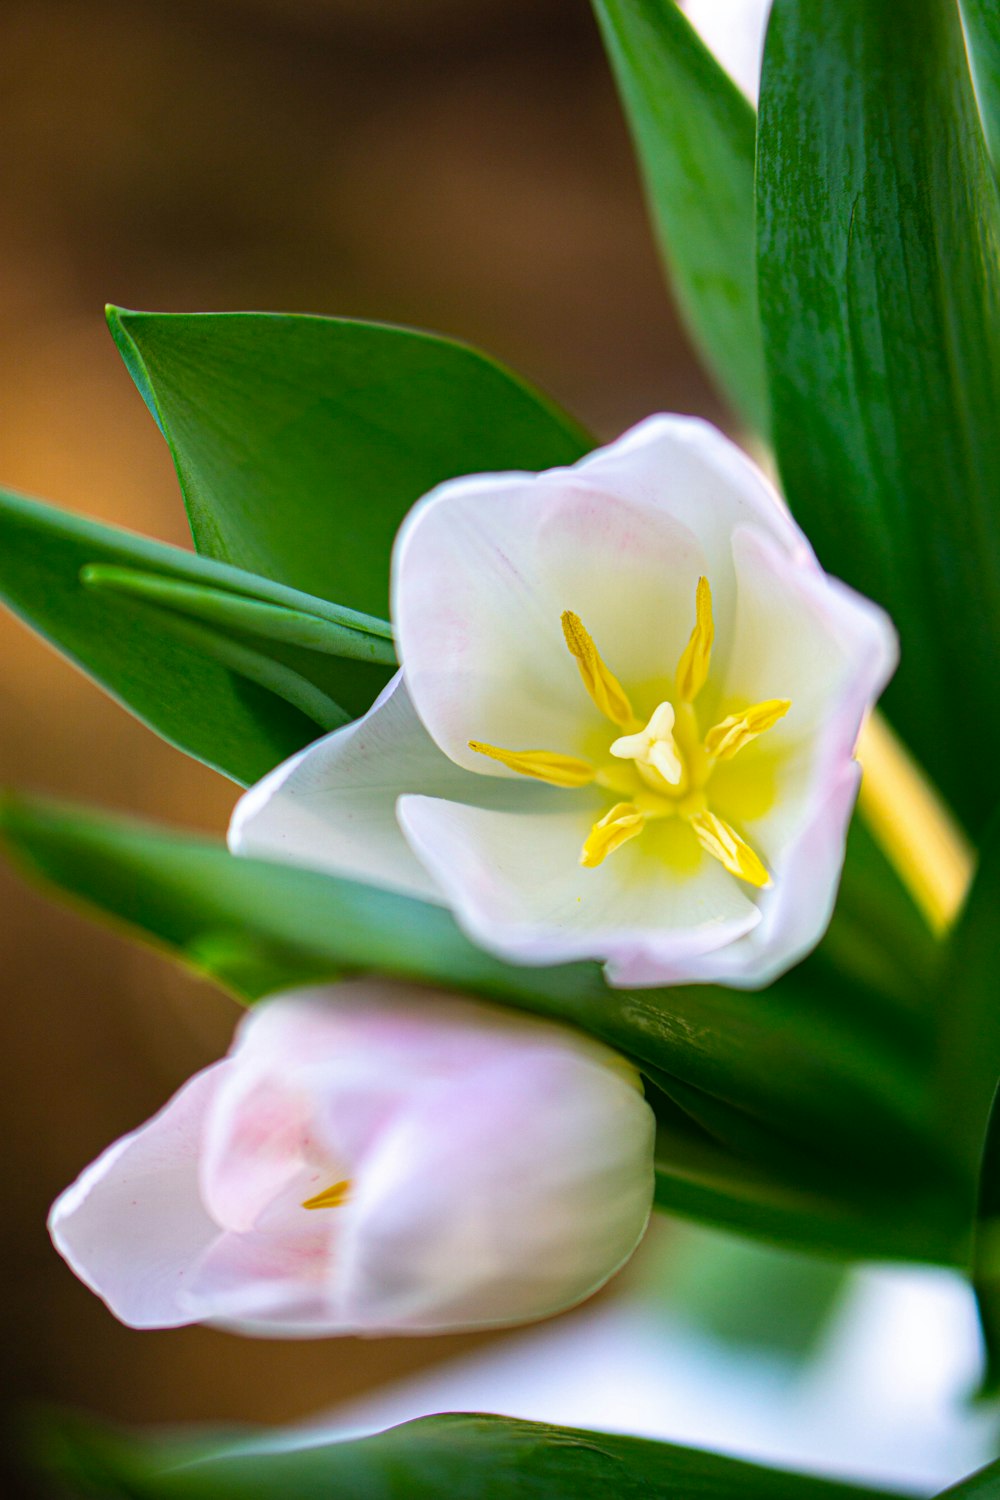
pixel 918 834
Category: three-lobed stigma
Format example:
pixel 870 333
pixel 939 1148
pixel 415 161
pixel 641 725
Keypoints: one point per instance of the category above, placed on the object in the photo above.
pixel 660 769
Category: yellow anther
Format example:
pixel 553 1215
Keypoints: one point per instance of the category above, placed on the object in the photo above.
pixel 602 685
pixel 544 765
pixel 692 669
pixel 331 1197
pixel 654 746
pixel 725 845
pixel 730 736
pixel 622 823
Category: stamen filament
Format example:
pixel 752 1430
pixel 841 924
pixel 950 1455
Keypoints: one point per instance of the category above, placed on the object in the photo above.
pixel 724 844
pixel 331 1197
pixel 543 765
pixel 730 736
pixel 602 685
pixel 692 669
pixel 619 825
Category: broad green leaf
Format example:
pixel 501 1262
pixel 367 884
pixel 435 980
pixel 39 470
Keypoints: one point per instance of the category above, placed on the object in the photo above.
pixel 236 670
pixel 694 132
pixel 474 1457
pixel 699 1180
pixel 878 238
pixel 783 1087
pixel 982 26
pixel 969 1044
pixel 301 442
pixel 983 1485
pixel 968 1115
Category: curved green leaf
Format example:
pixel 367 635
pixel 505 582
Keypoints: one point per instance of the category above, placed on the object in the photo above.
pixel 301 442
pixel 982 26
pixel 472 1456
pixel 983 1485
pixel 879 259
pixel 202 653
pixel 694 132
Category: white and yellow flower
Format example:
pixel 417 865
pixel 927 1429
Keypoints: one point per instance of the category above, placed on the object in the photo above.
pixel 625 724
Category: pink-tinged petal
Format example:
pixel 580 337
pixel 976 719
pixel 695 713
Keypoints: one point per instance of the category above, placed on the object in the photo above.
pixel 133 1224
pixel 485 566
pixel 332 806
pixel 511 1193
pixel 795 912
pixel 804 636
pixel 267 1284
pixel 516 885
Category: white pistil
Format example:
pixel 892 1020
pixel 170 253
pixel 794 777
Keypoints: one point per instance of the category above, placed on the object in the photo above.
pixel 654 746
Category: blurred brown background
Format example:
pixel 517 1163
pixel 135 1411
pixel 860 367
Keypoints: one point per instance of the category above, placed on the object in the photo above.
pixel 457 164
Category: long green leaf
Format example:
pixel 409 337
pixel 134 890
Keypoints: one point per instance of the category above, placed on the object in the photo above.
pixel 982 26
pixel 237 670
pixel 782 1087
pixel 879 259
pixel 301 442
pixel 983 1485
pixel 969 1045
pixel 472 1457
pixel 694 132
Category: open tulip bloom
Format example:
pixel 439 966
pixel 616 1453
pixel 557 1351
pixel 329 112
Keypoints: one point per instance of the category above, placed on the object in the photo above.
pixel 625 723
pixel 372 1159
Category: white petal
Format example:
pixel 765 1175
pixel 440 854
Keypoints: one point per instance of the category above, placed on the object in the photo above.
pixel 485 566
pixel 133 1224
pixel 807 637
pixel 267 1284
pixel 332 806
pixel 734 31
pixel 513 1192
pixel 516 885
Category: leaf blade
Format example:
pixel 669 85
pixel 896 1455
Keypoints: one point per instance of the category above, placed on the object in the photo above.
pixel 238 708
pixel 878 236
pixel 301 442
pixel 694 132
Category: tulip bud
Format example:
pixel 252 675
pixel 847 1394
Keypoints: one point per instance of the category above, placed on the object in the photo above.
pixel 371 1158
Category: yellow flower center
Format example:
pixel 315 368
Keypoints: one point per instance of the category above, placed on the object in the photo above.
pixel 660 769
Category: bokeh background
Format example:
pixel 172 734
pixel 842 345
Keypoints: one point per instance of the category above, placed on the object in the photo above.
pixel 455 164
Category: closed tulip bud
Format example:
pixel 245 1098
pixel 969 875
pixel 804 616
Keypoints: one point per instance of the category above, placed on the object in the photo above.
pixel 371 1158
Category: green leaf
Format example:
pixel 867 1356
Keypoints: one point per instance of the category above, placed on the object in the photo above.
pixel 238 671
pixel 301 442
pixel 475 1457
pixel 694 132
pixel 983 1485
pixel 982 27
pixel 784 1099
pixel 969 1045
pixel 879 232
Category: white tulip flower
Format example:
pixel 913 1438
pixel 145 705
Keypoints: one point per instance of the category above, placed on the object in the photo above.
pixel 371 1158
pixel 625 724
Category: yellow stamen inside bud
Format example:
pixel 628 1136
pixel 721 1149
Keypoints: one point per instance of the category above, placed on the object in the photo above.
pixel 622 823
pixel 331 1197
pixel 654 747
pixel 692 669
pixel 544 765
pixel 602 685
pixel 724 844
pixel 727 738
